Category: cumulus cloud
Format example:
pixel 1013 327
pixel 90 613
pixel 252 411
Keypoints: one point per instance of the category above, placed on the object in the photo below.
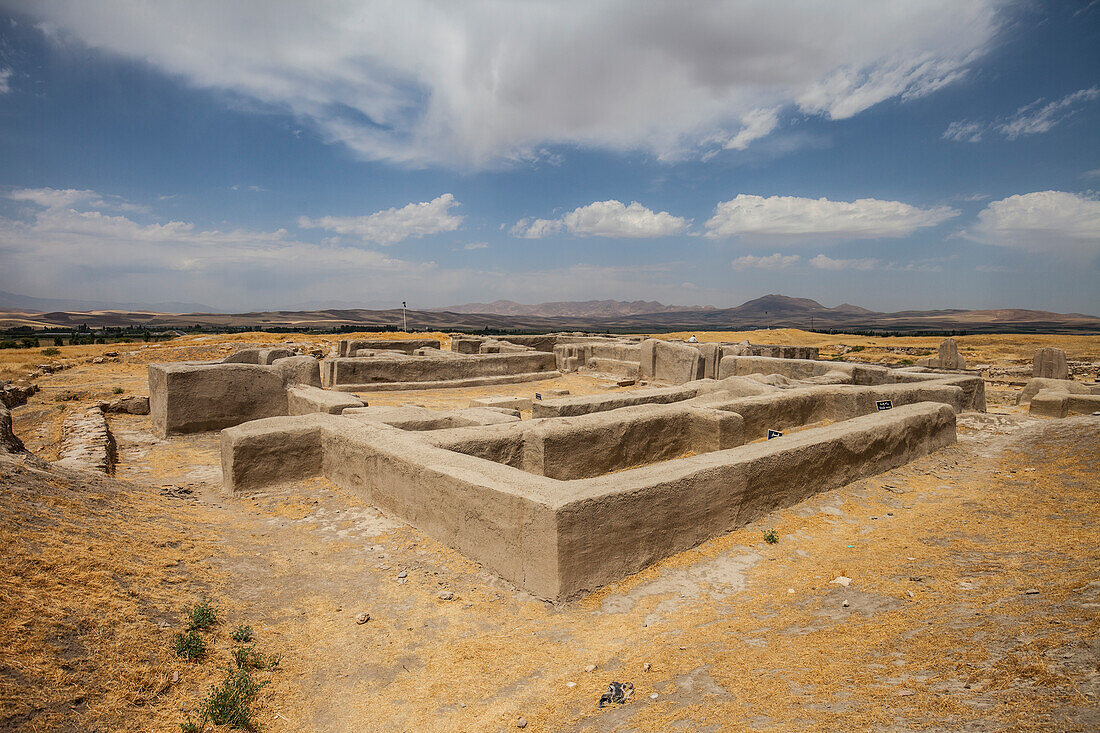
pixel 1032 119
pixel 792 216
pixel 5 80
pixel 605 219
pixel 476 245
pixel 776 261
pixel 1044 221
pixel 393 225
pixel 423 82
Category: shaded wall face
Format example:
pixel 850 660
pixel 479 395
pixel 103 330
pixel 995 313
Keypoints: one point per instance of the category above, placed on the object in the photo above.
pixel 196 398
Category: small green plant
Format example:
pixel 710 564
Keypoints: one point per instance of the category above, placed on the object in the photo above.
pixel 190 727
pixel 230 702
pixel 51 351
pixel 854 349
pixel 202 615
pixel 247 658
pixel 242 634
pixel 117 390
pixel 907 362
pixel 189 646
pixel 771 537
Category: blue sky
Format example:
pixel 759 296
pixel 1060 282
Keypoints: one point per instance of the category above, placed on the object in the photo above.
pixel 894 155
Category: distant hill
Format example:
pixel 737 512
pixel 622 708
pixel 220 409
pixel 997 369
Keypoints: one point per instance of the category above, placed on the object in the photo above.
pixel 572 309
pixel 770 311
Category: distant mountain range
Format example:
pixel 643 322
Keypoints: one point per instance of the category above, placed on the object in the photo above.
pixel 572 309
pixel 770 311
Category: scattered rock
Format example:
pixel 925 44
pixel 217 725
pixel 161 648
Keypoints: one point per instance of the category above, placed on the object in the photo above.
pixel 845 604
pixel 590 668
pixel 904 693
pixel 910 593
pixel 175 676
pixel 1031 592
pixel 521 723
pixel 570 685
pixel 133 405
pixel 626 383
pixel 446 595
pixel 841 580
pixel 362 618
pixel 645 667
pixel 403 574
pixel 653 696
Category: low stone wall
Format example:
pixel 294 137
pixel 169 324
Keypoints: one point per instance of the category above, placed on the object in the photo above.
pixel 1049 403
pixel 561 538
pixel 87 443
pixel 355 374
pixel 348 347
pixel 193 397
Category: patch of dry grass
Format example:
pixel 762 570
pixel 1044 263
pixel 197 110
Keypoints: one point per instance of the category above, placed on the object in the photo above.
pixel 92 569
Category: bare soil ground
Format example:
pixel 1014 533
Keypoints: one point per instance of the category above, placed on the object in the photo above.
pixel 973 601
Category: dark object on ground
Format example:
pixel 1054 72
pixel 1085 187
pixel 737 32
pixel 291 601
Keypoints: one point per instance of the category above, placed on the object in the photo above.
pixel 617 692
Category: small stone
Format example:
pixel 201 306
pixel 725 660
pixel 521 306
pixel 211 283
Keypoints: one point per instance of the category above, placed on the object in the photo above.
pixel 462 704
pixel 841 580
pixel 402 581
pixel 590 668
pixel 175 676
pixel 845 604
pixel 910 593
pixel 790 590
pixel 403 574
pixel 446 595
pixel 362 618
pixel 1031 592
pixel 570 685
pixel 645 667
pixel 904 693
pixel 653 696
pixel 521 723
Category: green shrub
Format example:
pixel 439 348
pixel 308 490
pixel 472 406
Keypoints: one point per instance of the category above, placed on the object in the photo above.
pixel 246 657
pixel 230 702
pixel 8 344
pixel 189 646
pixel 117 390
pixel 51 351
pixel 771 537
pixel 202 615
pixel 242 634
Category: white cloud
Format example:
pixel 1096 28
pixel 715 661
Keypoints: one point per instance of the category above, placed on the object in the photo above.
pixel 792 216
pixel 964 131
pixel 776 261
pixel 535 228
pixel 1044 221
pixel 1031 119
pixel 863 264
pixel 466 84
pixel 605 219
pixel 66 242
pixel 754 125
pixel 5 80
pixel 821 262
pixel 476 245
pixel 393 225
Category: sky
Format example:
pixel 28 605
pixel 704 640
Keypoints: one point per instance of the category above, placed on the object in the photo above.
pixel 893 154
